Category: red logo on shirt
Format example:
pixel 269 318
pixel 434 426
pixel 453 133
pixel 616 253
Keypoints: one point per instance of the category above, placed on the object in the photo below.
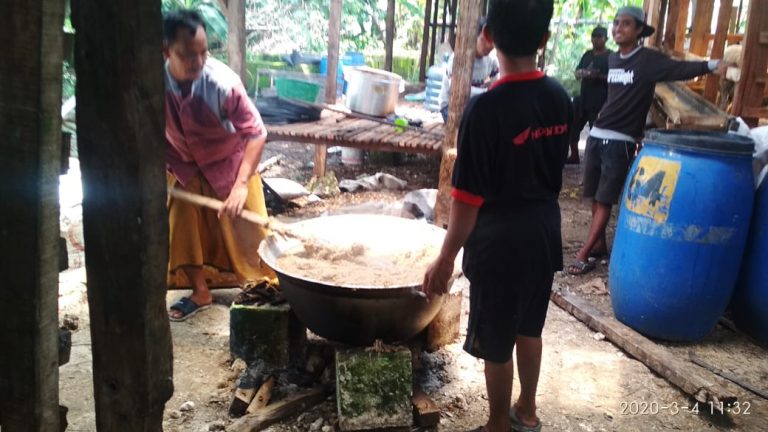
pixel 545 131
pixel 522 138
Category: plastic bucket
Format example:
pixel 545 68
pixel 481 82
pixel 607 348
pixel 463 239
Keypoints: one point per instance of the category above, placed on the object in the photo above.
pixel 351 156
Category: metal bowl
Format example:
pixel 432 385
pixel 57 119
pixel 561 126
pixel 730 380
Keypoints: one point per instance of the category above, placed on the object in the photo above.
pixel 357 315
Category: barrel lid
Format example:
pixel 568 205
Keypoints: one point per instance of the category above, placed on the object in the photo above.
pixel 708 142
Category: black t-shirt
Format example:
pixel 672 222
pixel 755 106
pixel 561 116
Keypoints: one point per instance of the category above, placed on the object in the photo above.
pixel 513 142
pixel 594 90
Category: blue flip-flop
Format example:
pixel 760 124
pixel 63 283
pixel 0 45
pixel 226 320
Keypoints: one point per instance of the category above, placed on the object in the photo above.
pixel 187 307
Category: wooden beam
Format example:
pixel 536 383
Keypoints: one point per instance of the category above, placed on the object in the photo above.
pixel 658 36
pixel 236 38
pixel 452 28
pixel 120 126
pixel 425 43
pixel 702 24
pixel 718 46
pixel 331 76
pixel 390 35
pixel 652 11
pixel 30 153
pixel 694 381
pixel 754 62
pixel 682 25
pixel 433 25
pixel 677 19
pixel 461 82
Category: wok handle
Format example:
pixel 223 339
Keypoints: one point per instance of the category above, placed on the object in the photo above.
pixel 214 204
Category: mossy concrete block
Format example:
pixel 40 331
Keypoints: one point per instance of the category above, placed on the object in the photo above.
pixel 373 388
pixel 265 333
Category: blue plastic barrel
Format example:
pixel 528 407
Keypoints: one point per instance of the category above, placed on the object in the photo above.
pixel 683 222
pixel 750 300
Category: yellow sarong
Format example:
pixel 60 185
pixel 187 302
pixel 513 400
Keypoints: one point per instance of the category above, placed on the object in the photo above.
pixel 225 248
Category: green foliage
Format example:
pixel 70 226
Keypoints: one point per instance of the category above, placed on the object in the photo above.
pixel 68 80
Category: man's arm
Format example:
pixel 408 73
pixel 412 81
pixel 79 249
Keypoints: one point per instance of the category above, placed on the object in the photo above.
pixel 462 221
pixel 668 69
pixel 247 122
pixel 235 202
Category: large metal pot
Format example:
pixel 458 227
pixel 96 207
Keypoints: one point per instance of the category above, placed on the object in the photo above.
pixel 372 91
pixel 358 315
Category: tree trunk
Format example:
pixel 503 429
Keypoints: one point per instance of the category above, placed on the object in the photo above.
pixel 30 155
pixel 236 39
pixel 390 39
pixel 121 125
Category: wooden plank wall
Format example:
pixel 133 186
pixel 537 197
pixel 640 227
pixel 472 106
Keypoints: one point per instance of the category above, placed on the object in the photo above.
pixel 30 153
pixel 121 124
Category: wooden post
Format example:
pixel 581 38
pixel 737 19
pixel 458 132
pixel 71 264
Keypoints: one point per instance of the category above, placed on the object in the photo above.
pixel 120 125
pixel 658 36
pixel 674 33
pixel 331 76
pixel 425 43
pixel 702 24
pixel 452 28
pixel 390 36
pixel 754 61
pixel 433 24
pixel 682 25
pixel 718 46
pixel 30 154
pixel 461 82
pixel 236 39
pixel 652 11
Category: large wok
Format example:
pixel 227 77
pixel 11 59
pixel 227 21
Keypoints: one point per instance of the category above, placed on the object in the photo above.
pixel 357 315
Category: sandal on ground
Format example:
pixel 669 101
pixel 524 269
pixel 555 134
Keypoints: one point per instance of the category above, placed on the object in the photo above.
pixel 580 267
pixel 187 307
pixel 518 426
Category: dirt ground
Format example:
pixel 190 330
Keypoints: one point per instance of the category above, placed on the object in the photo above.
pixel 586 384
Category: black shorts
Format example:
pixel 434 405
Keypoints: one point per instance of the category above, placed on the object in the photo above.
pixel 510 259
pixel 499 312
pixel 606 167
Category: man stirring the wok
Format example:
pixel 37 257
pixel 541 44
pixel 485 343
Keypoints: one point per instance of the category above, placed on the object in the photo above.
pixel 215 139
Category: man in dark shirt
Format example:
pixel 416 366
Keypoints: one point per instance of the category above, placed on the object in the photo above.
pixel 593 72
pixel 512 145
pixel 632 76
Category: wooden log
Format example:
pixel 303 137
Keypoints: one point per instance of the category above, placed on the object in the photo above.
pixel 30 152
pixel 425 412
pixel 425 42
pixel 271 414
pixel 389 39
pixel 463 61
pixel 702 23
pixel 696 382
pixel 241 400
pixel 718 46
pixel 125 219
pixel 235 13
pixel 754 61
pixel 262 397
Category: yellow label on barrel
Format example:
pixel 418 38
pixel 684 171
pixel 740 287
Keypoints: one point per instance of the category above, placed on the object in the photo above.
pixel 652 186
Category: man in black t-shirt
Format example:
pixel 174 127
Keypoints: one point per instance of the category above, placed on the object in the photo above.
pixel 512 145
pixel 632 76
pixel 592 70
